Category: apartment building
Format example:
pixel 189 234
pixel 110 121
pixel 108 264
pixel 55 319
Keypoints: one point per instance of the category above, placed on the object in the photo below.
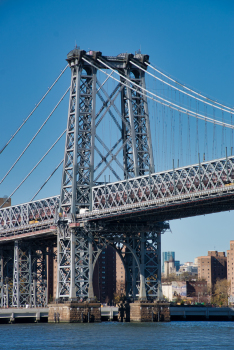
pixel 230 267
pixel 212 267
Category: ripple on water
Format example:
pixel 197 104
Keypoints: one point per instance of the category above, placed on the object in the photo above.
pixel 111 335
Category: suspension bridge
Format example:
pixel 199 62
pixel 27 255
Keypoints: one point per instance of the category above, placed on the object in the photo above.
pixel 117 136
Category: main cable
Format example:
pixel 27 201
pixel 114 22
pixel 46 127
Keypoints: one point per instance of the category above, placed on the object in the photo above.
pixel 34 136
pixel 181 109
pixel 167 104
pixel 34 168
pixel 33 109
pixel 185 87
pixel 174 87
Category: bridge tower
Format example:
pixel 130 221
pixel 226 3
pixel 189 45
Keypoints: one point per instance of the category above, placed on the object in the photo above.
pixel 80 242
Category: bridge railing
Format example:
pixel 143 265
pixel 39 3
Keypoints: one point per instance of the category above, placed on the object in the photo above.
pixel 29 213
pixel 203 177
pixel 206 178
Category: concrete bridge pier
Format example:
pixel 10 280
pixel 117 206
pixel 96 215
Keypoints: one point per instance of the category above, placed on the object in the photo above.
pixel 74 312
pixel 142 311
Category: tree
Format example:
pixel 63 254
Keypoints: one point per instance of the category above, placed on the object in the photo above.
pixel 118 297
pixel 221 292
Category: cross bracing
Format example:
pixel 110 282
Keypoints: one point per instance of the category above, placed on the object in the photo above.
pixel 87 154
pixel 29 213
pixel 205 180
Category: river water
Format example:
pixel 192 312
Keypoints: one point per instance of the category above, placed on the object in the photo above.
pixel 112 335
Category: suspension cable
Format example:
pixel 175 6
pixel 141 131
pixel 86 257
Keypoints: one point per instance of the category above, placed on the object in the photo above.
pixel 185 87
pixel 166 103
pixel 161 98
pixel 47 180
pixel 34 136
pixel 34 168
pixel 33 109
pixel 174 87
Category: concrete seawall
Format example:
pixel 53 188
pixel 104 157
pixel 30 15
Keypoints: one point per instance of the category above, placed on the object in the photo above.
pixel 196 313
pixel 177 313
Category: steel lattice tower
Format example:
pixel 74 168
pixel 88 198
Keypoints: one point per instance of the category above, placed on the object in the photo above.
pixel 79 247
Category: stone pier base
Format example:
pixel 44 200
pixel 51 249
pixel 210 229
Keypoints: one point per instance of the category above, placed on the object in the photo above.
pixel 143 311
pixel 75 312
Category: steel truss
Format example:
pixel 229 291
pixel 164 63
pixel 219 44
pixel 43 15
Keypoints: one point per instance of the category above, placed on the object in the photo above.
pixel 203 179
pixel 79 248
pixel 83 141
pixel 29 275
pixel 26 214
pixel 139 250
pixel 6 275
pixel 23 273
pixel 75 254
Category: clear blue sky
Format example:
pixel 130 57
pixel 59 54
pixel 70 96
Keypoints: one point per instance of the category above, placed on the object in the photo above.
pixel 190 40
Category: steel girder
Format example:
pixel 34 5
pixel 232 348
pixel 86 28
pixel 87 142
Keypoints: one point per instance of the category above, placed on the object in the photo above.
pixel 140 253
pixel 78 251
pixel 26 214
pixel 137 156
pixel 77 178
pixel 75 263
pixel 141 258
pixel 1 278
pixel 6 275
pixel 79 170
pixel 204 179
pixel 29 275
pixel 63 261
pixel 75 246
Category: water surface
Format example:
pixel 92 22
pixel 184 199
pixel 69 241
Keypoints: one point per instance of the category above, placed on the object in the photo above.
pixel 113 335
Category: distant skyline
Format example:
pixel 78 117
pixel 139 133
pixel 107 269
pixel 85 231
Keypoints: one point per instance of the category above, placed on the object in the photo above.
pixel 191 41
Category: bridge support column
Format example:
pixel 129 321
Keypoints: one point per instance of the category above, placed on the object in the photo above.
pixel 6 295
pixel 134 274
pixel 22 275
pixel 40 265
pixel 15 296
pixel 33 301
pixel 160 294
pixel 72 292
pixel 142 294
pixel 29 275
pixel 64 247
pixel 90 291
pixel 6 261
pixel 1 278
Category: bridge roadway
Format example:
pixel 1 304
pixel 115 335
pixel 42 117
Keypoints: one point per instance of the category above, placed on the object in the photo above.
pixel 203 188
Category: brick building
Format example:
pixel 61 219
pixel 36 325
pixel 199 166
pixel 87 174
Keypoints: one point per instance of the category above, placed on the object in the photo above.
pixel 230 267
pixel 104 276
pixel 120 276
pixel 197 290
pixel 7 204
pixel 212 267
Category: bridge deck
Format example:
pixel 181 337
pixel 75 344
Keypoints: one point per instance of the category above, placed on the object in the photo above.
pixel 198 189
